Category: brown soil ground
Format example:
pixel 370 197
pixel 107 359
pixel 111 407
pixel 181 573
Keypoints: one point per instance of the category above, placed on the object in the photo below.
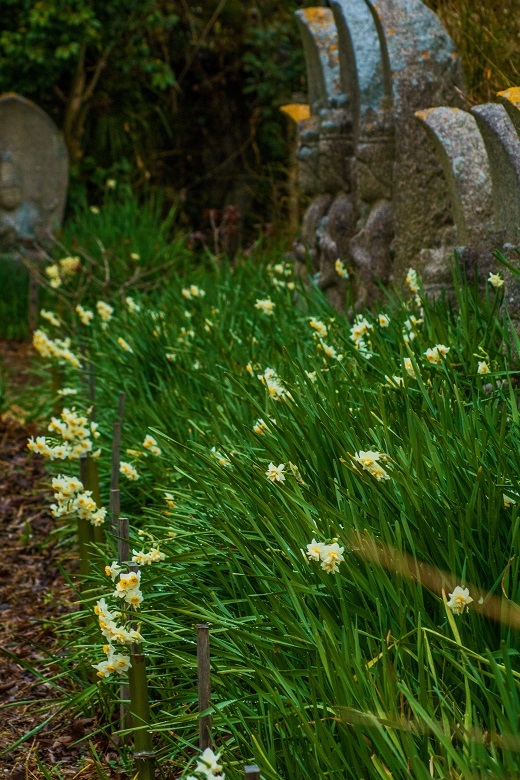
pixel 30 581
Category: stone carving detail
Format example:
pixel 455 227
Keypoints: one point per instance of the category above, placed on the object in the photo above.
pixel 33 174
pixel 380 201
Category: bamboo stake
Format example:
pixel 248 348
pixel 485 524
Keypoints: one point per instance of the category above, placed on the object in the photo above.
pixel 204 684
pixel 115 500
pixel 139 713
pixel 35 258
pixel 56 384
pixel 123 556
pixel 252 772
pixel 89 475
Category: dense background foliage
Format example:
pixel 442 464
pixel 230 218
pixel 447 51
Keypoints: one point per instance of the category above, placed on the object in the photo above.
pixel 185 96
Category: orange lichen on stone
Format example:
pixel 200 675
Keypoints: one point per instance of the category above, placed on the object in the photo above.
pixel 391 31
pixel 426 55
pixel 296 111
pixel 318 15
pixel 512 95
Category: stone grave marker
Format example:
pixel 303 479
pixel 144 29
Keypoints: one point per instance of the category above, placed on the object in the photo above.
pixel 33 173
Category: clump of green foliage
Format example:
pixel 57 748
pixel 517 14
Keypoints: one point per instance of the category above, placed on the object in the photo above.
pixel 364 671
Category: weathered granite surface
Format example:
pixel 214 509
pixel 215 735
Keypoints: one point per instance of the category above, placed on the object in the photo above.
pixel 33 173
pixel 370 68
pixel 503 148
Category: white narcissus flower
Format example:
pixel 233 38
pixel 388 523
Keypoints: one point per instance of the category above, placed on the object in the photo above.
pixel 412 280
pixel 132 306
pixel 193 292
pixel 69 265
pixel 150 444
pixel 104 310
pixel 208 762
pixel 113 571
pixel 266 306
pixel 129 471
pixel 125 346
pixel 275 473
pixel 85 315
pixel 436 353
pixel 383 320
pixel 260 427
pixel 329 351
pixel 409 367
pixel 314 550
pixel 318 326
pixel 483 367
pixel 360 328
pixel 369 461
pixel 495 280
pixel 394 381
pixel 340 269
pixel 220 457
pixel 53 272
pixel 459 600
pixel 147 558
pixel 52 318
pixel 331 557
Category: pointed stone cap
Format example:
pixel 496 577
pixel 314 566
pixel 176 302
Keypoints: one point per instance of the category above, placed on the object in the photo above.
pixel 503 149
pixel 35 148
pixel 320 45
pixel 360 60
pixel 462 152
pixel 510 99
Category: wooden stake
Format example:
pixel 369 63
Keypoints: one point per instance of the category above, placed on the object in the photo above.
pixel 252 772
pixel 204 684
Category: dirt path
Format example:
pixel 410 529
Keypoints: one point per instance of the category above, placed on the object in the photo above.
pixel 30 581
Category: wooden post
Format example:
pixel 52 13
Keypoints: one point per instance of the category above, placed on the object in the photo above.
pixel 252 772
pixel 204 684
pixel 115 502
